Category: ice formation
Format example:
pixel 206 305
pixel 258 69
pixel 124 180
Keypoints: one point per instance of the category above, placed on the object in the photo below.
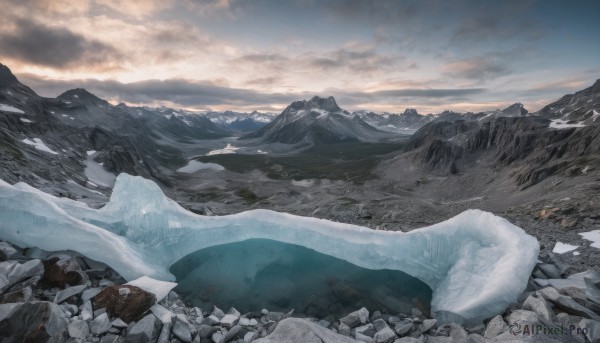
pixel 475 263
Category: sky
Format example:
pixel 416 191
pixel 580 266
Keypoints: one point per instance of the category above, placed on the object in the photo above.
pixel 244 55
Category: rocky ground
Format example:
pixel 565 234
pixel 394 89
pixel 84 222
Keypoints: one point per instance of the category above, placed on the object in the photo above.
pixel 66 297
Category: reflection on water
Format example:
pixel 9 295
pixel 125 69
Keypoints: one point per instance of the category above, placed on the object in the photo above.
pixel 259 273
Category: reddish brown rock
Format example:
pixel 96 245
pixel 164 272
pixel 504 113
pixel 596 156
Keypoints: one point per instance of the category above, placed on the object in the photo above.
pixel 60 271
pixel 129 305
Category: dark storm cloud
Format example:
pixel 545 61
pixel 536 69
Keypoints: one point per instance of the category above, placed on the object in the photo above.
pixel 54 47
pixel 196 94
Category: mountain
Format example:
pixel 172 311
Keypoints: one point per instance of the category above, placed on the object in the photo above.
pixel 318 120
pixel 574 110
pixel 240 121
pixel 78 142
pixel 528 148
pixel 406 122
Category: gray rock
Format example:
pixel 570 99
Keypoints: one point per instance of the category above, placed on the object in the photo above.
pixel 356 318
pixel 231 333
pixel 408 340
pixel 68 292
pixel 550 270
pixel 385 335
pixel 100 324
pixel 567 304
pixel 118 323
pixel 21 295
pixel 36 320
pixel 79 329
pixel 218 337
pixel 145 330
pixel 362 338
pixel 87 313
pixel 379 324
pixel 475 338
pixel 274 316
pixel 539 306
pixel 162 313
pixel 250 336
pixel 592 329
pixel 592 291
pixel 217 312
pixel 365 330
pixel 457 333
pixel 206 330
pixel 522 317
pixel 165 333
pixel 89 293
pixel 427 325
pixel 495 327
pixel 8 251
pixel 344 329
pixel 210 320
pixel 230 320
pixel 181 330
pixel 12 272
pixel 110 338
pixel 294 330
pixel 403 327
pixel 439 339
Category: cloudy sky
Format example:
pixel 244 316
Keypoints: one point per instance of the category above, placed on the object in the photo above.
pixel 262 54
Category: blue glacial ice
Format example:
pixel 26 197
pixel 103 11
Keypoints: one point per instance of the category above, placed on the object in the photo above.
pixel 475 263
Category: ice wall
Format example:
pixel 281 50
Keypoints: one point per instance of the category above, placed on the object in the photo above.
pixel 475 263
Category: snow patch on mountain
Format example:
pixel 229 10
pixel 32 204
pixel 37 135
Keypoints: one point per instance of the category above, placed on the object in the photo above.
pixel 39 145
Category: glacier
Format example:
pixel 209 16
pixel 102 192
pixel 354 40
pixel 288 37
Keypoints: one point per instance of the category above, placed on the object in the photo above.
pixel 476 263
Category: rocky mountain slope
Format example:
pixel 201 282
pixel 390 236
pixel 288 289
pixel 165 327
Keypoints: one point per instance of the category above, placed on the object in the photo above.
pixel 406 122
pixel 79 140
pixel 528 147
pixel 238 121
pixel 319 120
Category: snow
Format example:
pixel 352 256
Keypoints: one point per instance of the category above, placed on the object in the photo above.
pixel 561 248
pixel 159 288
pixel 576 253
pixel 475 263
pixel 38 144
pixel 260 152
pixel 563 124
pixel 96 174
pixel 229 149
pixel 24 120
pixel 6 108
pixel 593 236
pixel 303 183
pixel 91 152
pixel 194 166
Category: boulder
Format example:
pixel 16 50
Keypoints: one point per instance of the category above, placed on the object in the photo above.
pixel 68 292
pixel 62 270
pixel 592 329
pixel 356 318
pixel 495 327
pixel 21 295
pixel 79 329
pixel 35 321
pixel 129 307
pixel 295 330
pixel 145 330
pixel 165 333
pixel 229 320
pixel 12 272
pixel 181 330
pixel 539 306
pixel 8 252
pixel 385 335
pixel 162 313
pixel 100 324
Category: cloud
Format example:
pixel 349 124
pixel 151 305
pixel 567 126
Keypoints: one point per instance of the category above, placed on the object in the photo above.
pixel 201 94
pixel 353 60
pixel 478 68
pixel 55 47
